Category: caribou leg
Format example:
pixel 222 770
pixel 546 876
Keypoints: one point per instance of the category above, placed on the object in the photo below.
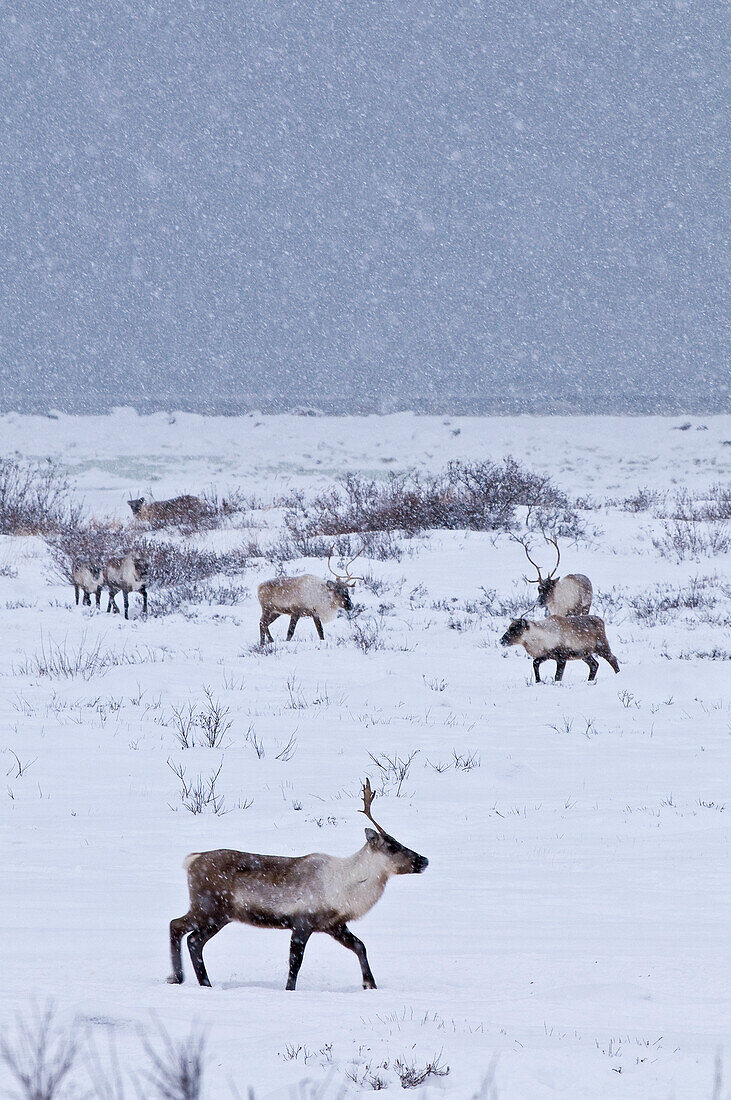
pixel 178 928
pixel 342 934
pixel 293 620
pixel 300 935
pixel 608 656
pixel 265 622
pixel 593 666
pixel 197 940
pixel 560 666
pixel 318 628
pixel 537 667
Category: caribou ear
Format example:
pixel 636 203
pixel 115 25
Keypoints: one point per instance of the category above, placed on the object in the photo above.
pixel 371 836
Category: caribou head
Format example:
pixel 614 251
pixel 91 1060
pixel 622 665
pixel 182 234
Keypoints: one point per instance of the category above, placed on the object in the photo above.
pixel 403 860
pixel 343 582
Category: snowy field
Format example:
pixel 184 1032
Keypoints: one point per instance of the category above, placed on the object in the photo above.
pixel 570 937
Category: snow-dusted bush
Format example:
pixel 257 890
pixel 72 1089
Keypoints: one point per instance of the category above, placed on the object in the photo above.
pixel 477 496
pixel 35 499
pixel 695 528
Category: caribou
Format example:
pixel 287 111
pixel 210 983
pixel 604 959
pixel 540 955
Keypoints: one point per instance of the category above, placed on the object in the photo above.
pixel 569 595
pixel 562 638
pixel 306 894
pixel 87 577
pixel 305 596
pixel 125 575
pixel 163 513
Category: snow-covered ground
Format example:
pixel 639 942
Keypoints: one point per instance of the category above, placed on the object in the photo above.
pixel 571 934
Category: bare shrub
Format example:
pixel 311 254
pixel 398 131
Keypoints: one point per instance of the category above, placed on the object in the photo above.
pixel 368 1076
pixel 715 654
pixel 206 726
pixel 255 741
pixel 41 1057
pixel 461 761
pixel 641 501
pixel 183 574
pixel 692 538
pixel 696 527
pixel 214 721
pixel 717 507
pixel 394 770
pixel 412 1075
pixel 465 761
pixel 176 564
pixel 479 496
pixel 300 542
pixel 94 541
pixel 199 795
pixel 367 636
pixel 236 501
pixel 35 499
pixel 184 723
pixel 176 1067
pixel 57 660
pixel 655 606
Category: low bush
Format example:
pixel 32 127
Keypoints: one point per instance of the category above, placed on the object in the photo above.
pixel 480 496
pixel 641 501
pixel 35 499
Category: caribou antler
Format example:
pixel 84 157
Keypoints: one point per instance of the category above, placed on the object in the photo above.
pixel 351 580
pixel 558 555
pixel 521 542
pixel 329 566
pixel 368 795
pixel 345 578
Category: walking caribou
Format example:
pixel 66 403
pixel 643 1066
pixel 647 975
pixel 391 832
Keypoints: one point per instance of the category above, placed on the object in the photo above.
pixel 313 893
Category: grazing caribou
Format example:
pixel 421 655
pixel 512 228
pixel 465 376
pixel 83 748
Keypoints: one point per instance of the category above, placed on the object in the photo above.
pixel 314 893
pixel 561 639
pixel 164 513
pixel 569 595
pixel 304 596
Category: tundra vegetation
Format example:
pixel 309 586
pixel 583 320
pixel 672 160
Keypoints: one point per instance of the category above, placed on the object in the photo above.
pixel 127 745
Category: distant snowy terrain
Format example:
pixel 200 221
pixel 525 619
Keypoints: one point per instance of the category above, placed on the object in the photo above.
pixel 571 934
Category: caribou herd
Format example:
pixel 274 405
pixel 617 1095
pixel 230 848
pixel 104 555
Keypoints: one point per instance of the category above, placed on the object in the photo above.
pixel 567 633
pixel 316 892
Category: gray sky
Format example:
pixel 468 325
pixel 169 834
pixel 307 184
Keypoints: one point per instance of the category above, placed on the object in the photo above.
pixel 498 206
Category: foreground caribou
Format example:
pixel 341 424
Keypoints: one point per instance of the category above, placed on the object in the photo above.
pixel 314 893
pixel 304 596
pixel 562 639
pixel 569 595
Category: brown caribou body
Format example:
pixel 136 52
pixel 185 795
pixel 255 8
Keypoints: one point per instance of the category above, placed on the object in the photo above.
pixel 87 577
pixel 164 513
pixel 306 596
pixel 306 894
pixel 125 575
pixel 562 639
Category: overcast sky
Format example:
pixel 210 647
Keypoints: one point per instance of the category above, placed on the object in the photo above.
pixel 497 206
